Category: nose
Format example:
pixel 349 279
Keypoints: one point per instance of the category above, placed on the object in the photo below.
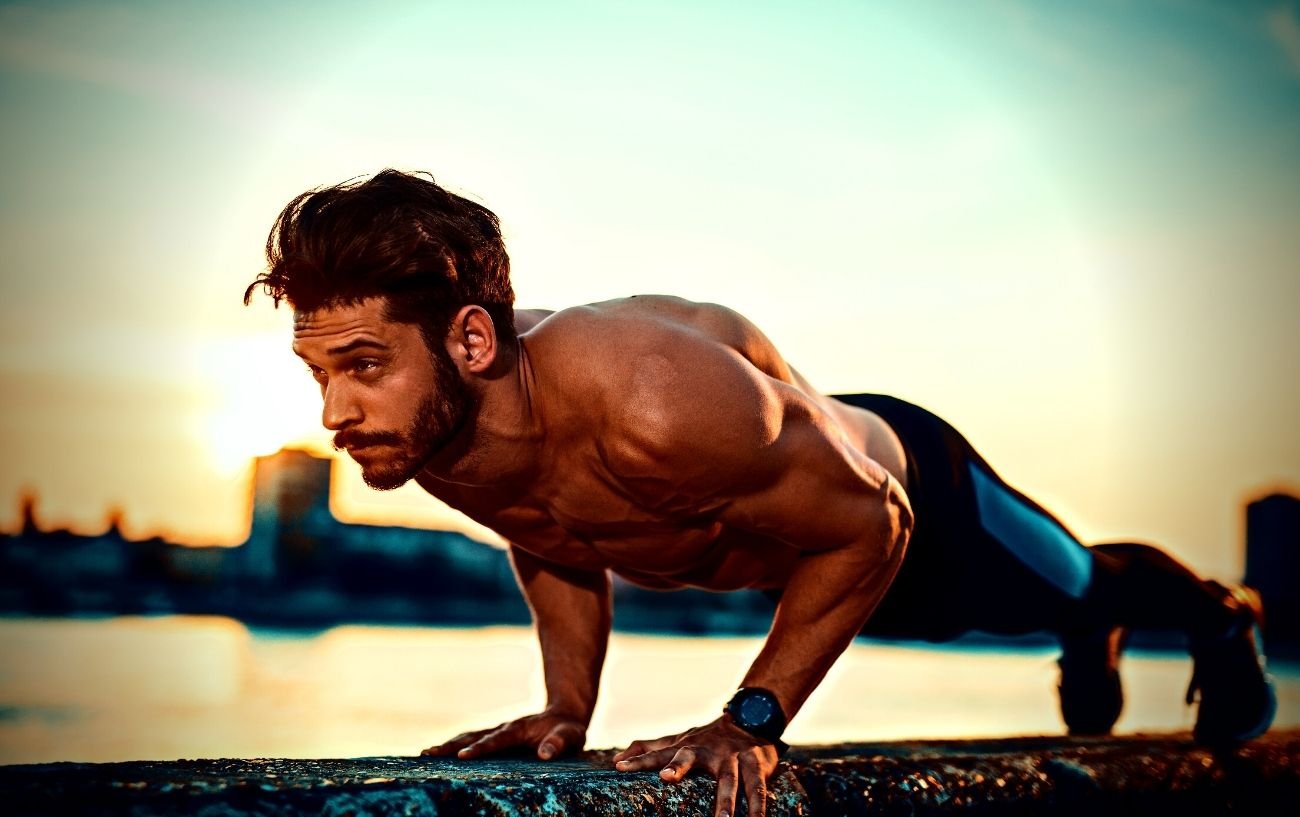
pixel 341 408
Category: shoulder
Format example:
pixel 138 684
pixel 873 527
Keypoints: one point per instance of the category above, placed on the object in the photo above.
pixel 635 310
pixel 674 406
pixel 617 331
pixel 526 319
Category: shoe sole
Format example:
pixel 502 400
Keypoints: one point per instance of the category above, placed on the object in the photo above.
pixel 1255 730
pixel 1250 598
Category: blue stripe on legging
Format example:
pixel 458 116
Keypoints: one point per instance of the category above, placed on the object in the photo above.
pixel 1038 541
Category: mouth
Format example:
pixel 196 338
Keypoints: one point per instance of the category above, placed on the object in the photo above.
pixel 366 446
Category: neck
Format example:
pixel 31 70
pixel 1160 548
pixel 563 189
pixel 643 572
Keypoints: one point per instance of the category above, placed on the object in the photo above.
pixel 501 442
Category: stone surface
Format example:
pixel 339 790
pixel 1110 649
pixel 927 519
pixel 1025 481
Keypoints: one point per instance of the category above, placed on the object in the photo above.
pixel 1051 775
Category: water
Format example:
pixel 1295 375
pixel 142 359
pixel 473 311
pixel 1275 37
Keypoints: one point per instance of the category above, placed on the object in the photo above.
pixel 186 687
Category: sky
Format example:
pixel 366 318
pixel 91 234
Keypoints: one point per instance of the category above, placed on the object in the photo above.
pixel 1073 230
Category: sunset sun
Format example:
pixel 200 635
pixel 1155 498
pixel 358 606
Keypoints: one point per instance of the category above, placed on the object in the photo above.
pixel 263 400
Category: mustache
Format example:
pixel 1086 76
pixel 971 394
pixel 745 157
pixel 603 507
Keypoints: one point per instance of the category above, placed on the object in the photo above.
pixel 361 439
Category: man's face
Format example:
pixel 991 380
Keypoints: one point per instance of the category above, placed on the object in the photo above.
pixel 392 403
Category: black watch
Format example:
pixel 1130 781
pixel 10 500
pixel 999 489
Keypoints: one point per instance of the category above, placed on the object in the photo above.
pixel 758 712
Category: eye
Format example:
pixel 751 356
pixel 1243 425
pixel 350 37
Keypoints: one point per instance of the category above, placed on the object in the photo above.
pixel 316 372
pixel 365 365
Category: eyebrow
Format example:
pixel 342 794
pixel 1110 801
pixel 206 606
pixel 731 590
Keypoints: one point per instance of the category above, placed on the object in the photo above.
pixel 352 346
pixel 360 343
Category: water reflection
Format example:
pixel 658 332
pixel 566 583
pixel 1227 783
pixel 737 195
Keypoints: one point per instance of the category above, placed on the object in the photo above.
pixel 178 661
pixel 133 688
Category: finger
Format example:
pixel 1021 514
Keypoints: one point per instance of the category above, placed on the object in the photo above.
pixel 755 785
pixel 640 747
pixel 649 760
pixel 455 744
pixel 563 737
pixel 683 760
pixel 728 782
pixel 633 749
pixel 494 741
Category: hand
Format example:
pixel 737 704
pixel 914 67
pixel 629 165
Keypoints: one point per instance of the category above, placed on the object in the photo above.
pixel 551 734
pixel 722 749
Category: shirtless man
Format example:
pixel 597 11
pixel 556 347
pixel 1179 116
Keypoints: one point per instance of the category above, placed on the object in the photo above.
pixel 668 442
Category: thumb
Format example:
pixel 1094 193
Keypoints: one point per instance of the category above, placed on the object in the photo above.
pixel 561 738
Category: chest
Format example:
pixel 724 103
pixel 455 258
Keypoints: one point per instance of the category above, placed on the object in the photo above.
pixel 591 522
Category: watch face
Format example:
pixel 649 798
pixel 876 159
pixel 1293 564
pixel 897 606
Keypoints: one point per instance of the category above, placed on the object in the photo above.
pixel 755 710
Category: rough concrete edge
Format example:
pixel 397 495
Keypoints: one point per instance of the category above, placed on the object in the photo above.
pixel 1141 774
pixel 1137 774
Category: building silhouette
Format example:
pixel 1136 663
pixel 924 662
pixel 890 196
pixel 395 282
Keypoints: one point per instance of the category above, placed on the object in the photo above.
pixel 295 541
pixel 299 565
pixel 1273 565
pixel 291 513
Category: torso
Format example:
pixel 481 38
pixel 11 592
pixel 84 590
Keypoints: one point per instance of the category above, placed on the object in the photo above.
pixel 579 514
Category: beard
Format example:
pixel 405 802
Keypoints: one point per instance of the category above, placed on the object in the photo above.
pixel 438 419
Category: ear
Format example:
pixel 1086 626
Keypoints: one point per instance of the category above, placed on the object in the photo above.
pixel 472 340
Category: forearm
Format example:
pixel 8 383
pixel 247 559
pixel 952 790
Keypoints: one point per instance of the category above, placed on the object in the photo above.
pixel 572 614
pixel 824 605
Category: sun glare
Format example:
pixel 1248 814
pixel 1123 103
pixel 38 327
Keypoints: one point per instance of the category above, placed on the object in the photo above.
pixel 261 402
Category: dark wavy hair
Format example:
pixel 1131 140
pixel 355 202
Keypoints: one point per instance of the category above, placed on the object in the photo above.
pixel 397 235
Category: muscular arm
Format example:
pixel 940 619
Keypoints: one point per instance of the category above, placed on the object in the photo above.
pixel 571 611
pixel 851 523
pixel 807 486
pixel 765 455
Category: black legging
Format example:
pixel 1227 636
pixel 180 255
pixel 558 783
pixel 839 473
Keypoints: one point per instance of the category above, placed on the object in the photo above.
pixel 983 556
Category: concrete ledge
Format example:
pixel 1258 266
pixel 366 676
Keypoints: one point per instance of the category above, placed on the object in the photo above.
pixel 1151 774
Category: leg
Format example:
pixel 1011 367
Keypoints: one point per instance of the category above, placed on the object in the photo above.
pixel 1039 552
pixel 989 558
pixel 1135 585
pixel 1104 591
pixel 1140 586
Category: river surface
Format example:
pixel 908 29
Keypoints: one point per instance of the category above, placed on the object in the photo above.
pixel 188 687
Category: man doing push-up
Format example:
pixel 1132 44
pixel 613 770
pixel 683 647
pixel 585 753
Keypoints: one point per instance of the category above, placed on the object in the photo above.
pixel 668 442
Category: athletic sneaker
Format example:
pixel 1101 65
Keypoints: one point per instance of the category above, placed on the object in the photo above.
pixel 1238 699
pixel 1091 694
